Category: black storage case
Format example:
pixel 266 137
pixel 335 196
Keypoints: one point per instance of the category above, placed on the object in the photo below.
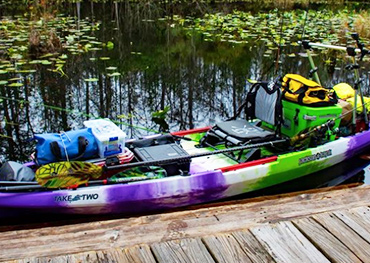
pixel 166 152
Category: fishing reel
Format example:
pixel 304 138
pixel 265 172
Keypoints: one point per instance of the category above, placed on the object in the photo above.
pixel 360 46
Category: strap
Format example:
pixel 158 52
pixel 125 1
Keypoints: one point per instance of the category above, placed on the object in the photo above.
pixel 302 80
pixel 57 152
pixel 82 145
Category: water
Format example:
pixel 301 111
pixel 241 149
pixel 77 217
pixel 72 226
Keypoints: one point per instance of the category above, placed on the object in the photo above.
pixel 153 64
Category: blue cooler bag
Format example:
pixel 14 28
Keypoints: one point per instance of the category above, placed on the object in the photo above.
pixel 71 145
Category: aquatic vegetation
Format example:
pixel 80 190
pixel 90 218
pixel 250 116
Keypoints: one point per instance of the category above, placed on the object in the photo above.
pixel 24 43
pixel 277 27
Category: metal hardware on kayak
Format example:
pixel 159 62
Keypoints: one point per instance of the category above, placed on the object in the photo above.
pixel 357 86
pixel 306 46
pixel 352 52
pixel 334 47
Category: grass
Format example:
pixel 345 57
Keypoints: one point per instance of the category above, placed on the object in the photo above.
pixel 362 24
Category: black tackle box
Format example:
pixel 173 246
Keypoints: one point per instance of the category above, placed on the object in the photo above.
pixel 175 159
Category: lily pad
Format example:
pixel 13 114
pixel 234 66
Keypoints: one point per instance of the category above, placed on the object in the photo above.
pixel 92 80
pixel 16 85
pixel 15 79
pixel 115 74
pixel 46 62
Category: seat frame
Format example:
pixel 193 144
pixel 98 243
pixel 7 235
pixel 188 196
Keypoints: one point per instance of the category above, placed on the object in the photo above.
pixel 237 132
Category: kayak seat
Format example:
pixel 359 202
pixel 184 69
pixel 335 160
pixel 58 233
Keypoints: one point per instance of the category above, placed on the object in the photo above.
pixel 264 104
pixel 239 131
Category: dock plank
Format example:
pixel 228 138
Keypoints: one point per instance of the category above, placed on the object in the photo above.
pixel 219 218
pixel 252 247
pixel 356 222
pixel 328 244
pixel 285 243
pixel 363 212
pixel 187 250
pixel 345 234
pixel 226 249
pixel 139 254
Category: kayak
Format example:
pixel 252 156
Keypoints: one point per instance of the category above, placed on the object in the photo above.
pixel 210 177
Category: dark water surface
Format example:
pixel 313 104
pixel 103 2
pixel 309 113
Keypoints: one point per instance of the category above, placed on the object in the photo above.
pixel 154 64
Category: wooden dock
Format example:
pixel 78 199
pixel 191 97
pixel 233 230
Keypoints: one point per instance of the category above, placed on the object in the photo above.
pixel 323 225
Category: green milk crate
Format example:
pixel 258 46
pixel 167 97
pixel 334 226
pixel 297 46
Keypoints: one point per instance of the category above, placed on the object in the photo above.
pixel 297 117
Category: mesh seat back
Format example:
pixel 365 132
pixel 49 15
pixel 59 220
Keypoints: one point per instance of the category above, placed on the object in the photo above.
pixel 264 103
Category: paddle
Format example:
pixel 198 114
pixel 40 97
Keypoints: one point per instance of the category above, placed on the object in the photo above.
pixel 67 174
pixel 70 175
pixel 73 174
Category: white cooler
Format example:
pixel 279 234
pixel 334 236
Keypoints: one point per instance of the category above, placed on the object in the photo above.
pixel 110 138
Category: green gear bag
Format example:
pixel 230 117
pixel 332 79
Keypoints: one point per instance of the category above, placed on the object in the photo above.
pixel 306 92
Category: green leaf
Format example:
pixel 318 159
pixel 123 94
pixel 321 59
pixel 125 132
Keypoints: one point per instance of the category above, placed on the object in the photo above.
pixel 16 85
pixel 47 55
pixel 110 45
pixel 46 62
pixel 114 74
pixel 92 80
pixel 15 79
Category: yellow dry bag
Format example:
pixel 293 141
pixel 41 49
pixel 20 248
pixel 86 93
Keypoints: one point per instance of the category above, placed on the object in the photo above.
pixel 306 92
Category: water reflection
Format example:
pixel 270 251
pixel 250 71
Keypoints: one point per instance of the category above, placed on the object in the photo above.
pixel 158 64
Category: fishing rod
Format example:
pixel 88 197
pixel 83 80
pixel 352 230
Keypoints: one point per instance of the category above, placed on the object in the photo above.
pixel 313 70
pixel 352 52
pixel 355 67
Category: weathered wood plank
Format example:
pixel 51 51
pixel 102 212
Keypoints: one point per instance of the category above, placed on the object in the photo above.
pixel 139 254
pixel 286 244
pixel 188 250
pixel 363 212
pixel 252 247
pixel 225 248
pixel 356 222
pixel 156 228
pixel 345 234
pixel 329 245
pixel 112 256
